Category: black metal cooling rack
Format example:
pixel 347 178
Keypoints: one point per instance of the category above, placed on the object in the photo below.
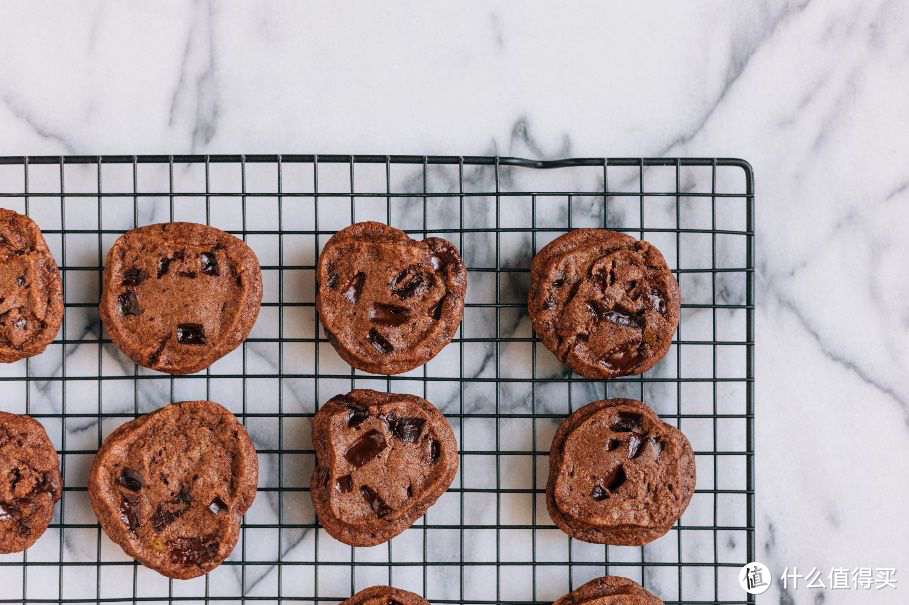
pixel 492 540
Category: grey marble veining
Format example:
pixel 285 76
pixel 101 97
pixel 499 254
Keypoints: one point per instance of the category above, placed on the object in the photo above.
pixel 813 94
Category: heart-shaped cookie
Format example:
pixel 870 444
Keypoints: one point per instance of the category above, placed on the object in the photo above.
pixel 389 303
pixel 618 474
pixel 382 459
pixel 603 302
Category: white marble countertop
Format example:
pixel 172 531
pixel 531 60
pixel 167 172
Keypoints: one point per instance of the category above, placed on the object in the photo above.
pixel 814 94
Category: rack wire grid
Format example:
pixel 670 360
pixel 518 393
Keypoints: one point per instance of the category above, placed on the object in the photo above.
pixel 489 539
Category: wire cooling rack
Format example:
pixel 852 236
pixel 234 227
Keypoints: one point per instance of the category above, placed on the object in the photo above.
pixel 489 538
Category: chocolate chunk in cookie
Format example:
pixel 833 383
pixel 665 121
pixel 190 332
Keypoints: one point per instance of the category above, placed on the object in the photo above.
pixel 171 487
pixel 31 291
pixel 610 590
pixel 382 459
pixel 389 303
pixel 179 296
pixel 30 482
pixel 618 474
pixel 385 595
pixel 603 302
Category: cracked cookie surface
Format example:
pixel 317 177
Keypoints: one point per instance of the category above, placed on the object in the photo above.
pixel 389 303
pixel 603 302
pixel 179 296
pixel 382 459
pixel 171 487
pixel 30 484
pixel 31 290
pixel 385 595
pixel 609 590
pixel 618 474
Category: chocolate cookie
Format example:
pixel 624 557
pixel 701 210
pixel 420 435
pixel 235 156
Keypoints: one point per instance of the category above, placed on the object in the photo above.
pixel 389 303
pixel 385 595
pixel 31 304
pixel 610 590
pixel 618 474
pixel 30 482
pixel 382 459
pixel 179 296
pixel 171 487
pixel 605 303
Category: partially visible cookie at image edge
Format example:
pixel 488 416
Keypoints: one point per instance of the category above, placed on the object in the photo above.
pixel 171 487
pixel 179 296
pixel 604 303
pixel 618 474
pixel 382 459
pixel 30 484
pixel 31 305
pixel 389 303
pixel 610 590
pixel 385 595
